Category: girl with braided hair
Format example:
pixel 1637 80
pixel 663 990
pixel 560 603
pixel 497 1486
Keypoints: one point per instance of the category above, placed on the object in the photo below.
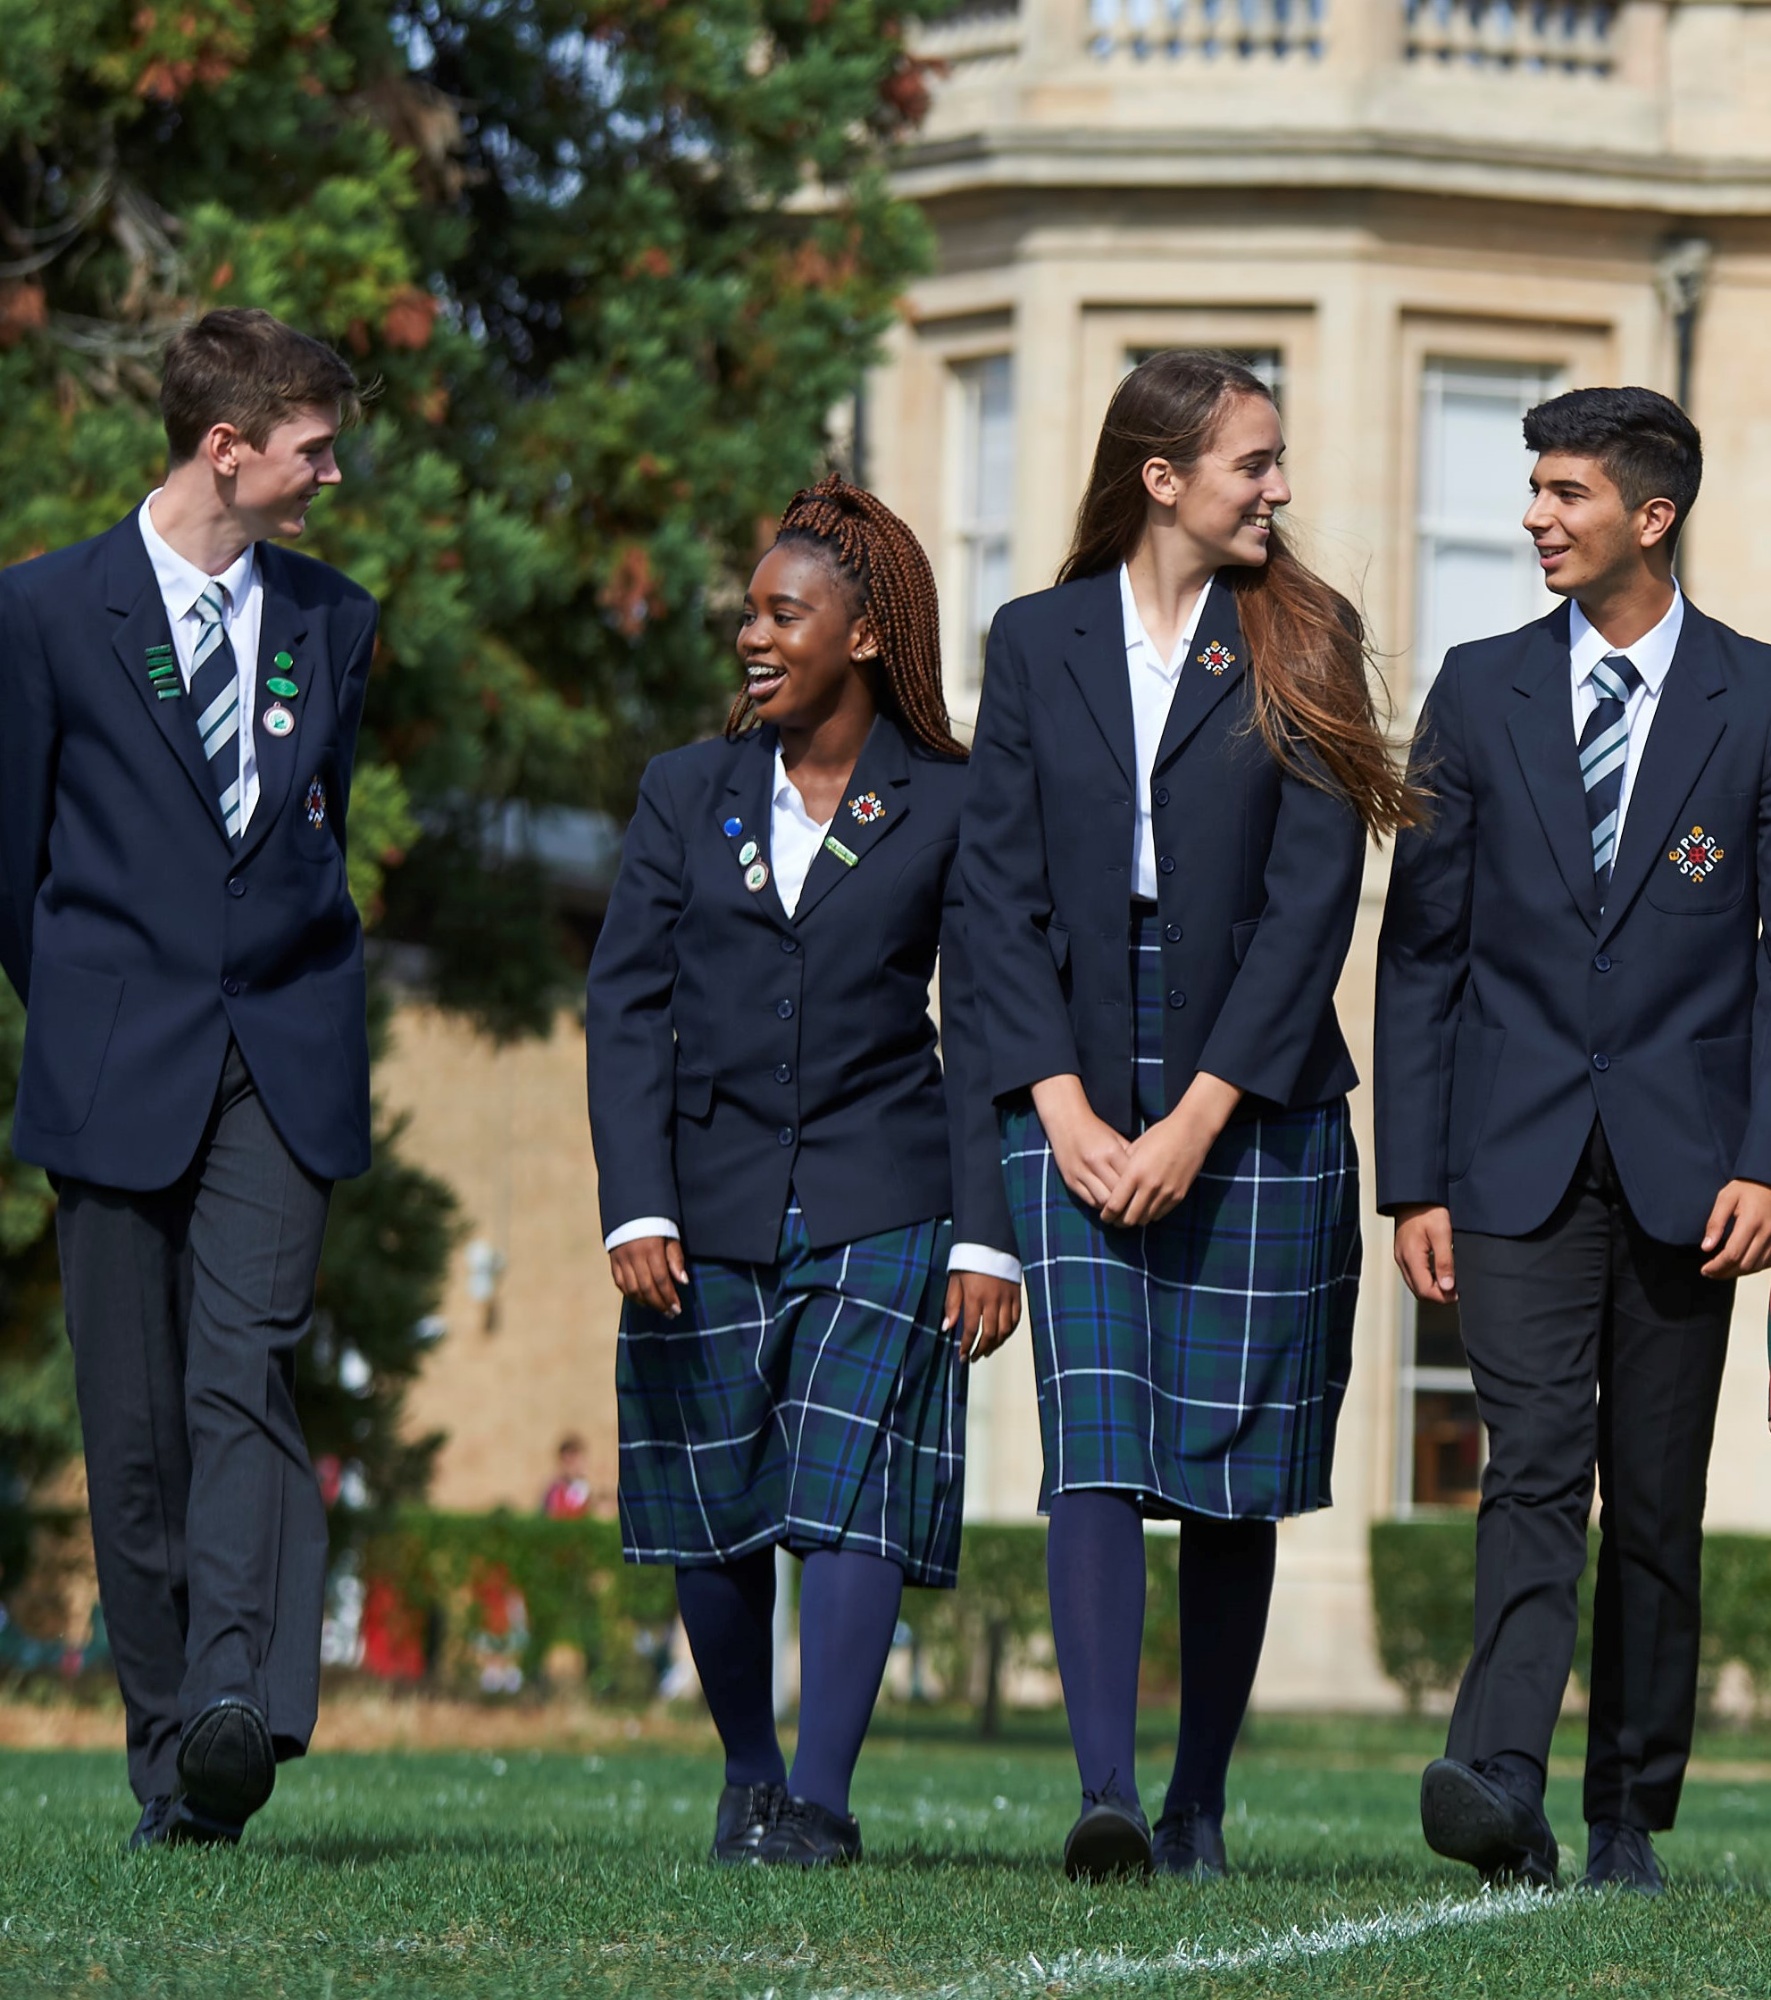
pixel 786 1162
pixel 1177 766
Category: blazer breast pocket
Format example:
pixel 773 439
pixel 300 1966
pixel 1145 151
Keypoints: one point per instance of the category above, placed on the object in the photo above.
pixel 1705 863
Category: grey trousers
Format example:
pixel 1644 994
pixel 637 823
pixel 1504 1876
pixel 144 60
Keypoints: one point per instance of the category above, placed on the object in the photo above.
pixel 185 1306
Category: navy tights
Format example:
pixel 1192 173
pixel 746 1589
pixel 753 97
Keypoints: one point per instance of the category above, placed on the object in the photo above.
pixel 1095 1566
pixel 848 1611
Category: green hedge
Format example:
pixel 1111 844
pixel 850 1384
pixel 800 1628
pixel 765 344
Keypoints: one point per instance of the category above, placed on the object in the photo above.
pixel 1423 1588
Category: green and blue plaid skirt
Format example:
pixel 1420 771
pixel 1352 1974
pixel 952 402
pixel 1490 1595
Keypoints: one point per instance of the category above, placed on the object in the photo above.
pixel 813 1402
pixel 1199 1362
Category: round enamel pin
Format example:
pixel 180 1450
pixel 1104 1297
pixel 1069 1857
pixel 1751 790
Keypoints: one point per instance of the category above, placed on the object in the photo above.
pixel 747 853
pixel 756 876
pixel 733 827
pixel 278 720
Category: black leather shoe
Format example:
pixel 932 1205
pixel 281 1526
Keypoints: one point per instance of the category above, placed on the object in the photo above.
pixel 1622 1857
pixel 808 1835
pixel 746 1812
pixel 226 1762
pixel 1190 1842
pixel 1466 1816
pixel 175 1822
pixel 1111 1838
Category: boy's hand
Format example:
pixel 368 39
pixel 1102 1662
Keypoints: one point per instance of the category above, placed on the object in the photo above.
pixel 1739 1231
pixel 648 1270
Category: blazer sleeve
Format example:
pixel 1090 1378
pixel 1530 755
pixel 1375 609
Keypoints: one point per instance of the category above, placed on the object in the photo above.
pixel 1423 961
pixel 1002 863
pixel 980 1201
pixel 1284 987
pixel 629 1040
pixel 1753 1161
pixel 351 693
pixel 29 743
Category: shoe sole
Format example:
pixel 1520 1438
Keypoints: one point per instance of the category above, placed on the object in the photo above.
pixel 226 1762
pixel 1463 1822
pixel 1105 1844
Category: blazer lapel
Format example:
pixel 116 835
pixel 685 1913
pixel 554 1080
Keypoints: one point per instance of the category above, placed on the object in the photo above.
pixel 875 805
pixel 282 631
pixel 1688 723
pixel 1095 657
pixel 1542 729
pixel 1216 661
pixel 749 797
pixel 132 593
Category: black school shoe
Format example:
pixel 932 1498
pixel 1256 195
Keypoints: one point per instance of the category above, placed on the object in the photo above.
pixel 1466 1816
pixel 175 1822
pixel 746 1812
pixel 1190 1841
pixel 1111 1838
pixel 226 1762
pixel 1622 1857
pixel 808 1835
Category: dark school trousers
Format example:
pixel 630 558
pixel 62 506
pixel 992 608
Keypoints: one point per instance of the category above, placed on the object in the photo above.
pixel 185 1306
pixel 1591 1344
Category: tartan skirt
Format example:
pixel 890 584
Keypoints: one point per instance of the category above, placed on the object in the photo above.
pixel 1199 1362
pixel 813 1402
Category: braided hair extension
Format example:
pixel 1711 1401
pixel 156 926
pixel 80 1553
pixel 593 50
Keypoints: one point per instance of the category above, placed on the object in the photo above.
pixel 883 562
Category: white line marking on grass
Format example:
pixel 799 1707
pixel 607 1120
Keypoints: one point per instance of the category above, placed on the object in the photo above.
pixel 1074 1970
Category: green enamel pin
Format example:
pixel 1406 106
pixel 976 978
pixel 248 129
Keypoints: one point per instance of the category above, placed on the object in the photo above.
pixel 281 684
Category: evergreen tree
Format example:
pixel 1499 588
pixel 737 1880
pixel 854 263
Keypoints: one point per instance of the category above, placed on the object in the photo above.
pixel 612 266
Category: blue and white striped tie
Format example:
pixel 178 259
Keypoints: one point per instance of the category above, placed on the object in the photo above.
pixel 215 690
pixel 1604 750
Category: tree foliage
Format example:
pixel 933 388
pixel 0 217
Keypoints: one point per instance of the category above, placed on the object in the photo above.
pixel 611 266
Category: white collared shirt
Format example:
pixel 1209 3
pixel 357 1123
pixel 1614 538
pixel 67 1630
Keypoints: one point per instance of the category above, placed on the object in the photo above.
pixel 181 584
pixel 794 840
pixel 1153 683
pixel 1652 658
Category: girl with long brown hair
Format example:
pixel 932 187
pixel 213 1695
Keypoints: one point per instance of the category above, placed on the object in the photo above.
pixel 785 1163
pixel 1178 760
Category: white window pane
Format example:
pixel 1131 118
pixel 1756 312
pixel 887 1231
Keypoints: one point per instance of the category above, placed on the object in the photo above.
pixel 1473 592
pixel 1483 463
pixel 985 486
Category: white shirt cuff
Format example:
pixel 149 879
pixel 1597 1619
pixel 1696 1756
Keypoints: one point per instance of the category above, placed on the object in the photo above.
pixel 645 1225
pixel 986 1262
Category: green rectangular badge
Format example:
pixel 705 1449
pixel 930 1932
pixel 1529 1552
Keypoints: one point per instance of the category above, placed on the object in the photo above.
pixel 842 853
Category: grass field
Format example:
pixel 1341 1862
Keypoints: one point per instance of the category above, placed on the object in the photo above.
pixel 534 1874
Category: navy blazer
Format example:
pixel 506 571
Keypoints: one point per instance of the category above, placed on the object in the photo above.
pixel 137 937
pixel 1258 870
pixel 735 1052
pixel 1512 1011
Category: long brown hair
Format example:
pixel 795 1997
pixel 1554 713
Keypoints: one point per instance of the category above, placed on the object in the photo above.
pixel 882 562
pixel 1308 656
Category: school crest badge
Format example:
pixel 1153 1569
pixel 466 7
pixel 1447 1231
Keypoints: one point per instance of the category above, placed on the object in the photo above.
pixel 316 804
pixel 867 808
pixel 1696 855
pixel 1216 657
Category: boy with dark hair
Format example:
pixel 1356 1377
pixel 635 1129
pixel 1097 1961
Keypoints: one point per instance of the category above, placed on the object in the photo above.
pixel 182 701
pixel 1574 1123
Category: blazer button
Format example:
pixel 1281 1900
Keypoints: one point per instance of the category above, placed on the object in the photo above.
pixel 1172 932
pixel 1161 795
pixel 1601 1062
pixel 1602 963
pixel 1166 862
pixel 1176 998
pixel 785 1135
pixel 230 985
pixel 790 944
pixel 784 1073
pixel 235 886
pixel 785 1009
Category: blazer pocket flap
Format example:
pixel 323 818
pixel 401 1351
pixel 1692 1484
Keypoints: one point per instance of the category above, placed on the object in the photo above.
pixel 694 1093
pixel 1059 940
pixel 1242 936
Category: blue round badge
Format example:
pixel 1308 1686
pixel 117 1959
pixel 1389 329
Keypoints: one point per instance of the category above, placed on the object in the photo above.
pixel 734 827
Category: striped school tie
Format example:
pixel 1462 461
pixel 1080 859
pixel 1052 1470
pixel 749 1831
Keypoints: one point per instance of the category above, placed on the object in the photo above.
pixel 1604 749
pixel 215 690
